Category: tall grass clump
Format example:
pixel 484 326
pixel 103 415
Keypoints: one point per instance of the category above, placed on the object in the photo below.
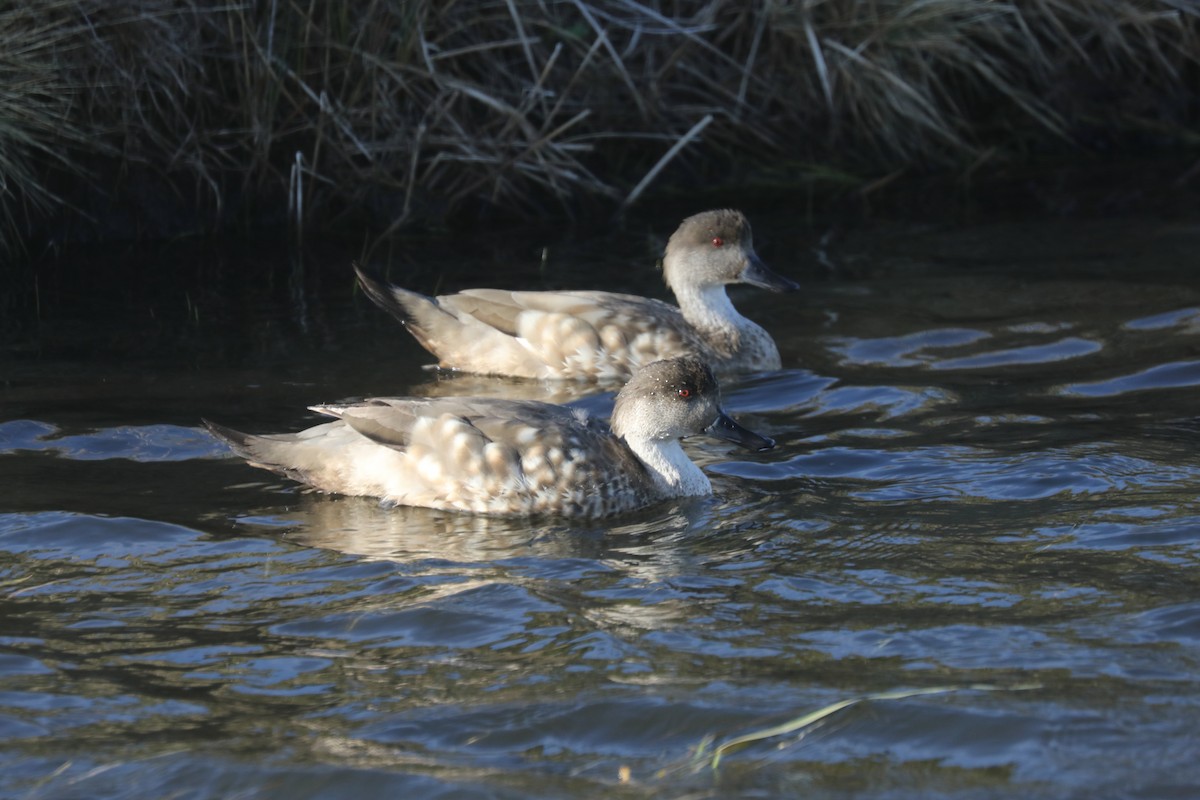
pixel 394 111
pixel 37 128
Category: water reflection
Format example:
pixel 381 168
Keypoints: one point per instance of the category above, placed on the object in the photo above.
pixel 986 474
pixel 361 526
pixel 1187 320
pixel 410 535
pixel 145 443
pixel 1058 350
pixel 1159 376
pixel 905 351
pixel 445 383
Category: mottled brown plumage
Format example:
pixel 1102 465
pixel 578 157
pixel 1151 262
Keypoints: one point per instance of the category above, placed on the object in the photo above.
pixel 603 335
pixel 496 456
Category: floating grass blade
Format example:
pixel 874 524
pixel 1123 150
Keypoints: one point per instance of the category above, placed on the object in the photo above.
pixel 710 754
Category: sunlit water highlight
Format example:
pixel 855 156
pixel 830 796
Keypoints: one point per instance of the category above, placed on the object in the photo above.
pixel 986 476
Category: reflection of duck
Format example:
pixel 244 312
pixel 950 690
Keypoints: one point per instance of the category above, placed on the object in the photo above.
pixel 490 455
pixel 602 335
pixel 597 398
pixel 410 534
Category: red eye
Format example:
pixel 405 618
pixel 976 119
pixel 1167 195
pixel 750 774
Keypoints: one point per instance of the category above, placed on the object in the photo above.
pixel 718 241
pixel 684 392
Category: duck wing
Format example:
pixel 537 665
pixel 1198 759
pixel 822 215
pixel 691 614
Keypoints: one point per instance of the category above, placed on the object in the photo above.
pixel 456 426
pixel 514 313
pixel 490 450
pixel 576 335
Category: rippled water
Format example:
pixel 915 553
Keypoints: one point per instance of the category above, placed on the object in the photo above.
pixel 986 481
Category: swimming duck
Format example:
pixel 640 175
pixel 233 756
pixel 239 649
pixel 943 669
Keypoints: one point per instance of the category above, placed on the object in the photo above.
pixel 497 456
pixel 589 335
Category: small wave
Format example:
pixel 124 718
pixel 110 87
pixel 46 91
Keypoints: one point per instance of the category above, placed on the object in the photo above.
pixel 1187 318
pixel 149 443
pixel 961 472
pixel 886 402
pixel 904 351
pixel 1061 350
pixel 1162 376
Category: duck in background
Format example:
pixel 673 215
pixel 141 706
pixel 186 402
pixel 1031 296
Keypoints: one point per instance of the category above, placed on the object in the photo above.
pixel 592 335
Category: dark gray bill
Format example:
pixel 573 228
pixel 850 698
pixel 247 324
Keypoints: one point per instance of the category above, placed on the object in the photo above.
pixel 759 274
pixel 724 427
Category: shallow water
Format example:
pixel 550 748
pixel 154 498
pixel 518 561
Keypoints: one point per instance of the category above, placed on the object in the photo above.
pixel 986 481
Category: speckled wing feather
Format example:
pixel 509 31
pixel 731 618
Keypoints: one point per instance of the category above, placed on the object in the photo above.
pixel 504 310
pixel 579 334
pixel 497 455
pixel 390 421
pixel 386 421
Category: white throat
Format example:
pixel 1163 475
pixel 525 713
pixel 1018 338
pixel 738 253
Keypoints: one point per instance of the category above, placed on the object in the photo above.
pixel 673 472
pixel 731 336
pixel 709 308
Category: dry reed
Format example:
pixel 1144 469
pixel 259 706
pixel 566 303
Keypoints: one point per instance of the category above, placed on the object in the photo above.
pixel 409 109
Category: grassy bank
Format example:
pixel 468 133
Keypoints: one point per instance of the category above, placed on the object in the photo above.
pixel 161 117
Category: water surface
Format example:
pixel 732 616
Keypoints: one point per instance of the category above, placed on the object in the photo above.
pixel 986 481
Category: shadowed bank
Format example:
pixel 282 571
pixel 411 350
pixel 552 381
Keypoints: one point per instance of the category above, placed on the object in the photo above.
pixel 168 117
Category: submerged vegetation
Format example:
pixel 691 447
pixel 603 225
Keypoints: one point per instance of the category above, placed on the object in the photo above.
pixel 162 116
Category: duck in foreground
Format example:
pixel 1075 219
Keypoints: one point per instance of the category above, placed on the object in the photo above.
pixel 586 335
pixel 495 456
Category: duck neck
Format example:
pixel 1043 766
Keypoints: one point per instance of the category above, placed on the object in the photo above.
pixel 709 310
pixel 670 468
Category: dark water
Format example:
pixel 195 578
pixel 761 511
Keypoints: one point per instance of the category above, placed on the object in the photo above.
pixel 986 481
